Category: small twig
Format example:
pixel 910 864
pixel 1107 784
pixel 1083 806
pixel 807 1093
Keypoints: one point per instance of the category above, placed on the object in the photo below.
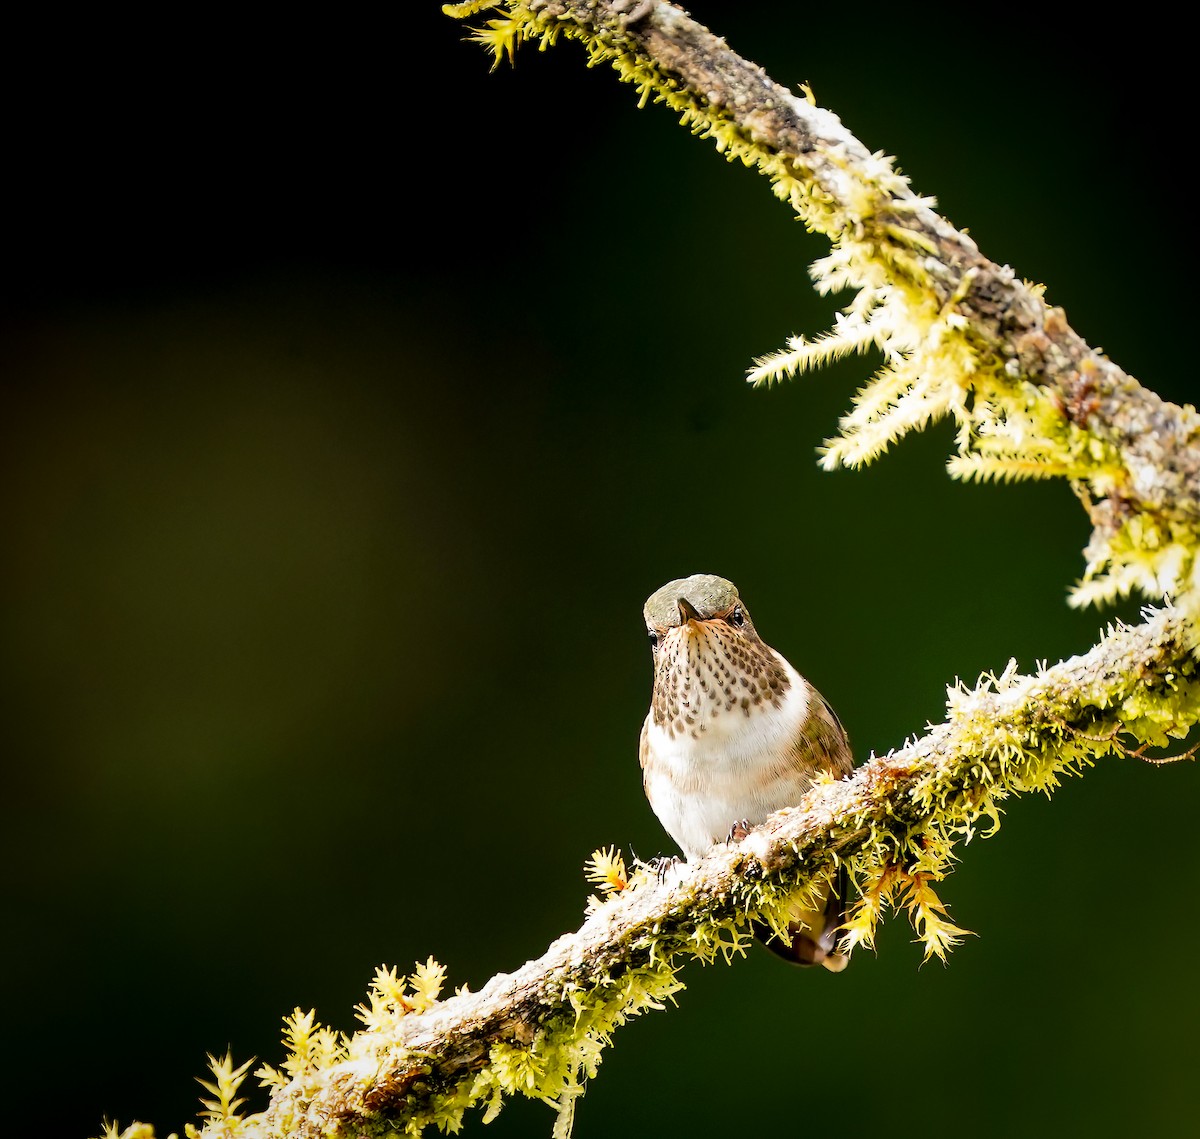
pixel 1158 760
pixel 1131 753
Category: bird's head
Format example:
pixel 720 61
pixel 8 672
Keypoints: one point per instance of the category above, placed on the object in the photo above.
pixel 708 658
pixel 681 607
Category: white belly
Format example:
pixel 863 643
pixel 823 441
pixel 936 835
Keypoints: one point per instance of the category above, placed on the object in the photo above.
pixel 699 786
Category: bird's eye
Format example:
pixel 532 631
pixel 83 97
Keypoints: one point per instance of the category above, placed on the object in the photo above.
pixel 737 618
pixel 653 640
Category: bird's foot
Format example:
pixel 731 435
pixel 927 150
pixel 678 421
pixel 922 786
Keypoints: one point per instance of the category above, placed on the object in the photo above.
pixel 738 831
pixel 661 866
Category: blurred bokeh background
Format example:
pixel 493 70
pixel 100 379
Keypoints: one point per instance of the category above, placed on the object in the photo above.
pixel 355 398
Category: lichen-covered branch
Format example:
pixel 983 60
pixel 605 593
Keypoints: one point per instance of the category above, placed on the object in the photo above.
pixel 540 1031
pixel 961 336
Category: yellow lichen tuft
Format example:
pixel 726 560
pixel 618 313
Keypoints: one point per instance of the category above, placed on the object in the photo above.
pixel 471 8
pixel 393 996
pixel 427 984
pixel 606 870
pixel 501 38
pixel 311 1049
pixel 133 1131
pixel 891 886
pixel 865 915
pixel 220 1114
pixel 928 916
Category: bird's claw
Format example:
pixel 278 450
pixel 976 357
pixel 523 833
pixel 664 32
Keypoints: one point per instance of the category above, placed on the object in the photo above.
pixel 738 831
pixel 661 866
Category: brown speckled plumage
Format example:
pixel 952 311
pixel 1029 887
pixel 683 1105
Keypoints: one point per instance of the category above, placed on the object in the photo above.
pixel 716 672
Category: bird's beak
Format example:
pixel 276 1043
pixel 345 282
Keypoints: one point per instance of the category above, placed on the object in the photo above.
pixel 687 611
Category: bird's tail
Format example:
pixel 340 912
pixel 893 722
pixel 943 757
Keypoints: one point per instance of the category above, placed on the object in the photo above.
pixel 811 937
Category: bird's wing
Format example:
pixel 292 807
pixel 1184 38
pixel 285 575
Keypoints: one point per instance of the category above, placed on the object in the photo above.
pixel 644 748
pixel 822 744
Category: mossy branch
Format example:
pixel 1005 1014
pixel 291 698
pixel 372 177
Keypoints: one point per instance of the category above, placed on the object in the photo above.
pixel 893 824
pixel 960 336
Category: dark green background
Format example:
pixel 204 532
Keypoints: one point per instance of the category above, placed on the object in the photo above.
pixel 355 399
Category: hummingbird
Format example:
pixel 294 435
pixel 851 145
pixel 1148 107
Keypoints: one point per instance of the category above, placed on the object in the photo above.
pixel 734 733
